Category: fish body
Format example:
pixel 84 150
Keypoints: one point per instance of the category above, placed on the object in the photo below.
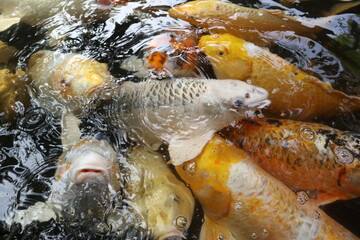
pixel 247 23
pixel 164 202
pixel 249 203
pixel 183 112
pixel 14 98
pixel 293 93
pixel 306 157
pixel 68 78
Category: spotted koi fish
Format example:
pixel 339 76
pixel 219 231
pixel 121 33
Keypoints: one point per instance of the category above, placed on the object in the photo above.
pixel 320 160
pixel 248 203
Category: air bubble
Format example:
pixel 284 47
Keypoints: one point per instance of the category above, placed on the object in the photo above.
pixel 181 222
pixel 343 155
pixel 238 206
pixel 221 236
pixel 265 232
pixel 302 197
pixel 254 236
pixel 190 167
pixel 307 134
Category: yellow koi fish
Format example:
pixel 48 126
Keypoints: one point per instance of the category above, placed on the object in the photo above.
pixel 293 93
pixel 13 95
pixel 164 202
pixel 247 23
pixel 70 79
pixel 305 156
pixel 249 203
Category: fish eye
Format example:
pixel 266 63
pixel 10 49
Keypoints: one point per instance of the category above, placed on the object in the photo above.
pixel 221 53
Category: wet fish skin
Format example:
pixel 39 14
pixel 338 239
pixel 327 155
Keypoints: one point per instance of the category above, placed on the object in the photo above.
pixel 305 156
pixel 241 197
pixel 183 112
pixel 164 202
pixel 293 93
pixel 69 78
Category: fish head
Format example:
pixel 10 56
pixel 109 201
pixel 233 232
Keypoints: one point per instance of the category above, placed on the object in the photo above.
pixel 228 55
pixel 238 95
pixel 87 181
pixel 71 79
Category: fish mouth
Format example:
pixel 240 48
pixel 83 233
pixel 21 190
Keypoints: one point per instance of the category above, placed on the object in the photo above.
pixel 90 174
pixel 173 235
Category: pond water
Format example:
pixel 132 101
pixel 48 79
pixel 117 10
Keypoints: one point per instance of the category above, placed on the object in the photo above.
pixel 30 147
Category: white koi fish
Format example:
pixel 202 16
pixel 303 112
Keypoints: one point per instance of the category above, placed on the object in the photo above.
pixel 185 113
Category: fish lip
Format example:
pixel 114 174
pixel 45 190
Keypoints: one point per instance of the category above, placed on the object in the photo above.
pixel 172 235
pixel 84 173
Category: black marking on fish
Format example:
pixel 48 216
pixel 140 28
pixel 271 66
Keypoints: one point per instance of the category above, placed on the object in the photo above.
pixel 252 122
pixel 342 172
pixel 275 122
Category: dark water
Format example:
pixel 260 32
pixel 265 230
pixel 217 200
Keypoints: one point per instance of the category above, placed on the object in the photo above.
pixel 29 148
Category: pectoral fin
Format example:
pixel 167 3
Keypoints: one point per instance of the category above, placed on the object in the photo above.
pixel 182 150
pixel 6 23
pixel 70 131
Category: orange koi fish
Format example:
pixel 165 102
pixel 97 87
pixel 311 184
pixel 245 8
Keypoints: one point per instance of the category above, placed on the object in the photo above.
pixel 294 94
pixel 242 198
pixel 247 23
pixel 305 156
pixel 171 54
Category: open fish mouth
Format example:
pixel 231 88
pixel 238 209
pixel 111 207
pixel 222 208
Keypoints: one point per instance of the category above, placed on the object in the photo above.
pixel 90 174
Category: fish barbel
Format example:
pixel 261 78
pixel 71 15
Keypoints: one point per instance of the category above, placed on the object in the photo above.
pixel 247 23
pixel 164 202
pixel 305 156
pixel 183 112
pixel 248 202
pixel 293 93
pixel 69 78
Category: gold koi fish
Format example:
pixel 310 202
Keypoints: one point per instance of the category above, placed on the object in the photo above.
pixel 68 78
pixel 305 156
pixel 241 197
pixel 183 113
pixel 164 202
pixel 293 93
pixel 13 95
pixel 247 23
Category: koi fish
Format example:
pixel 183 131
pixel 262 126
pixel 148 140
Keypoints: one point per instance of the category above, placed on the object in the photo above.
pixel 14 97
pixel 87 172
pixel 67 80
pixel 293 93
pixel 183 113
pixel 169 54
pixel 305 156
pixel 247 23
pixel 164 202
pixel 246 201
